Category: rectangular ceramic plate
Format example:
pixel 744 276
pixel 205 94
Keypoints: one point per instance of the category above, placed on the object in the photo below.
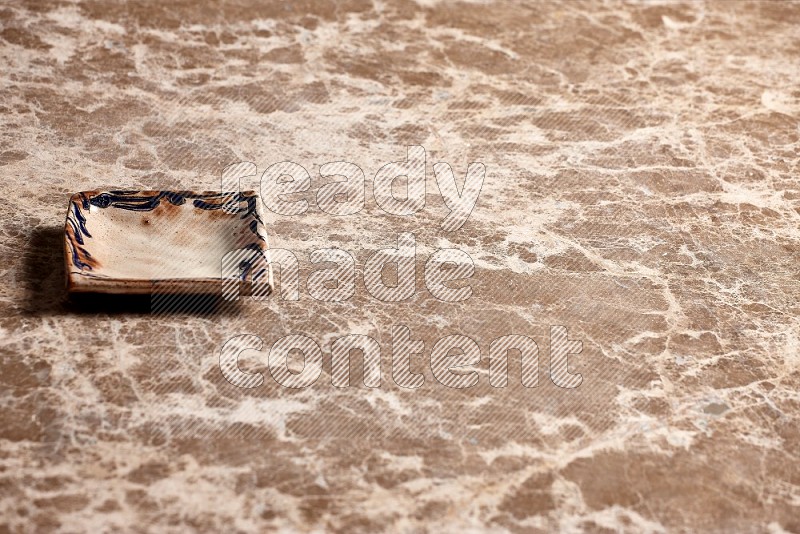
pixel 139 242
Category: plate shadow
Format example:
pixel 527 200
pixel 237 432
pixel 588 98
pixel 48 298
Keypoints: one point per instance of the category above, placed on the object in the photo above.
pixel 44 278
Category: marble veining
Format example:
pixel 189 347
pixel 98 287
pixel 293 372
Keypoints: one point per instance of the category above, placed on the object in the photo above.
pixel 641 190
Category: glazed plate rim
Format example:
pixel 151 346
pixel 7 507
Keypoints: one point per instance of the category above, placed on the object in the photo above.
pixel 81 281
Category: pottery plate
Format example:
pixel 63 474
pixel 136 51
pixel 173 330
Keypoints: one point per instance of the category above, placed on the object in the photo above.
pixel 166 241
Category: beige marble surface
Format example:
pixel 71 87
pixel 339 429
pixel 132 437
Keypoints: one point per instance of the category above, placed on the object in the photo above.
pixel 641 189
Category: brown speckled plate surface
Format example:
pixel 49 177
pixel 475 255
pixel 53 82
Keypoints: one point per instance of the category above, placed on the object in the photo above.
pixel 130 242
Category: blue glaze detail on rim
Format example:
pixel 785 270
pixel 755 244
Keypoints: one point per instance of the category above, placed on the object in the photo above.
pixel 136 201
